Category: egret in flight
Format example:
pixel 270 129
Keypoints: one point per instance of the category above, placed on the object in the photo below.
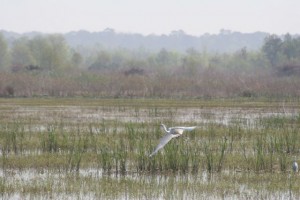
pixel 171 132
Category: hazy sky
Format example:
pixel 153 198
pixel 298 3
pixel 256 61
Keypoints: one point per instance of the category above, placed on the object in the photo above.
pixel 195 17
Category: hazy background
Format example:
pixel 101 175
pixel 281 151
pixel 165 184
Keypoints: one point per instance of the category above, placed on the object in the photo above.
pixel 195 17
pixel 152 49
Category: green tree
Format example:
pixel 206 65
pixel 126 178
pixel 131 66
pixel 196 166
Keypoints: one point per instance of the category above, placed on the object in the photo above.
pixel 291 48
pixel 20 53
pixel 272 48
pixel 59 52
pixel 50 52
pixel 40 49
pixel 76 60
pixel 103 60
pixel 195 59
pixel 166 58
pixel 4 59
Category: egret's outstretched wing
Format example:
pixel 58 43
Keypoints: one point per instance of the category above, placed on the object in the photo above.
pixel 189 128
pixel 181 129
pixel 171 133
pixel 163 141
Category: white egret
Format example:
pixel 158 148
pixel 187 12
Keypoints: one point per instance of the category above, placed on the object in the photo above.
pixel 171 132
pixel 295 166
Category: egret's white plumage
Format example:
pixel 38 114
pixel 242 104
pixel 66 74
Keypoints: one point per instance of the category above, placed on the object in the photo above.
pixel 295 166
pixel 171 132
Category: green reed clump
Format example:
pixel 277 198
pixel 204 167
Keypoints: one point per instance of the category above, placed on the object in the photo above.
pixel 271 148
pixel 4 158
pixel 214 152
pixel 157 132
pixel 3 186
pixel 283 162
pixel 245 156
pixel 120 157
pixel 183 159
pixel 77 150
pixel 12 136
pixel 105 160
pixel 153 166
pixel 142 157
pixel 72 145
pixel 49 140
pixel 260 162
pixel 209 158
pixel 92 136
pixel 222 155
pixel 290 138
pixel 172 157
pixel 273 122
pixel 195 160
pixel 235 133
pixel 131 134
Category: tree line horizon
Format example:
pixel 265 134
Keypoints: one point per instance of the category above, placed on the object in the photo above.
pixel 50 56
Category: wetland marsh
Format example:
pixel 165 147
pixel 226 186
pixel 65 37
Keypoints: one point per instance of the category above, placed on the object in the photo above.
pixel 84 148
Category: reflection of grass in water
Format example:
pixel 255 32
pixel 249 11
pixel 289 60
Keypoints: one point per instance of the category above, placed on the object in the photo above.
pixel 89 184
pixel 258 157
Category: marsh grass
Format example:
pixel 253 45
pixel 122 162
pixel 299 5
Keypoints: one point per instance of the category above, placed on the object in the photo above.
pixel 49 140
pixel 129 149
pixel 119 148
pixel 13 135
pixel 78 148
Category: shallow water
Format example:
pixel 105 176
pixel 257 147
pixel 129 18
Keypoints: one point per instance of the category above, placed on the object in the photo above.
pixel 61 185
pixel 93 183
pixel 245 117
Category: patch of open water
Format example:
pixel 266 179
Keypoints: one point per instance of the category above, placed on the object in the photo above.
pixel 244 117
pixel 59 185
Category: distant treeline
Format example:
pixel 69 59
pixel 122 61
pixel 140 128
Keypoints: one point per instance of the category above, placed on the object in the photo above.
pixel 224 42
pixel 48 65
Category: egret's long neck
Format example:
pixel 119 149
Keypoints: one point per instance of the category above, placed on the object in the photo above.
pixel 165 128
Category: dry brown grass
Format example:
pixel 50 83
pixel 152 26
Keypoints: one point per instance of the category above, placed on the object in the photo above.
pixel 205 83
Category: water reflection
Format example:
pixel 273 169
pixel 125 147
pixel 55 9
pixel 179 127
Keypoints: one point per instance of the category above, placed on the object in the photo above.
pixel 70 115
pixel 62 185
